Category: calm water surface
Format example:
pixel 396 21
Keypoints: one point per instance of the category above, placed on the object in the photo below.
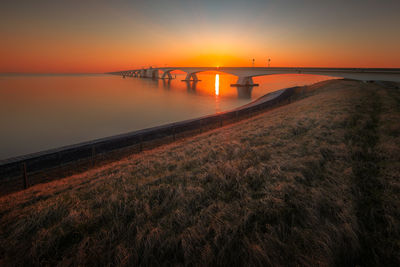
pixel 40 112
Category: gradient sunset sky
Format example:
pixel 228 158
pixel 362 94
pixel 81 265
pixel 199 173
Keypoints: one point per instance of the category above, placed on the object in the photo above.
pixel 100 36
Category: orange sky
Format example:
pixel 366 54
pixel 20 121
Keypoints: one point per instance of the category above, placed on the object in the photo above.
pixel 97 36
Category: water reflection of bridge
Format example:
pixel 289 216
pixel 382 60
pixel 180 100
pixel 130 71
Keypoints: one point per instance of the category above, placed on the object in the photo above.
pixel 243 92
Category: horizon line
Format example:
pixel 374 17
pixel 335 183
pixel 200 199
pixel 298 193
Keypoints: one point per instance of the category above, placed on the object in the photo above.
pixel 157 67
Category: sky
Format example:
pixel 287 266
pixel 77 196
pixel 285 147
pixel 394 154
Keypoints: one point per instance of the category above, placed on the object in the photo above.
pixel 96 36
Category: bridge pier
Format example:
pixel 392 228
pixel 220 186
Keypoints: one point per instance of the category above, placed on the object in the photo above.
pixel 167 75
pixel 244 81
pixel 191 77
pixel 154 74
pixel 143 73
pixel 244 92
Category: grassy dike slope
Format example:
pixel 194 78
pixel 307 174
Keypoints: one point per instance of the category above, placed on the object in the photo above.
pixel 315 182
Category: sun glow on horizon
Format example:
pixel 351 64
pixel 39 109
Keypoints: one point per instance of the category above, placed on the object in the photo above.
pixel 198 34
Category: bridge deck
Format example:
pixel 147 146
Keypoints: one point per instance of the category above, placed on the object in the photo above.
pixel 387 74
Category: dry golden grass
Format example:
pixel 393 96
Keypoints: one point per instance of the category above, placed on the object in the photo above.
pixel 315 182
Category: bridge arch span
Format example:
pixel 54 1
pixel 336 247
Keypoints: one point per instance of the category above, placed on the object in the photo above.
pixel 191 74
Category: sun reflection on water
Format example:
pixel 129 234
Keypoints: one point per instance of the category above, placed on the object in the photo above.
pixel 217 84
pixel 217 100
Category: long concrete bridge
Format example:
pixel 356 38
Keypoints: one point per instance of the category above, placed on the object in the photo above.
pixel 245 74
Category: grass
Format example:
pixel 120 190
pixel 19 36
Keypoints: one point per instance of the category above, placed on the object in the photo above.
pixel 315 182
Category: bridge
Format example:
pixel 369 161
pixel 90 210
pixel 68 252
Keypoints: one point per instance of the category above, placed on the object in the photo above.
pixel 245 74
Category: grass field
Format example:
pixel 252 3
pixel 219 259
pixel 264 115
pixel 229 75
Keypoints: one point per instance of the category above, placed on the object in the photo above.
pixel 314 182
